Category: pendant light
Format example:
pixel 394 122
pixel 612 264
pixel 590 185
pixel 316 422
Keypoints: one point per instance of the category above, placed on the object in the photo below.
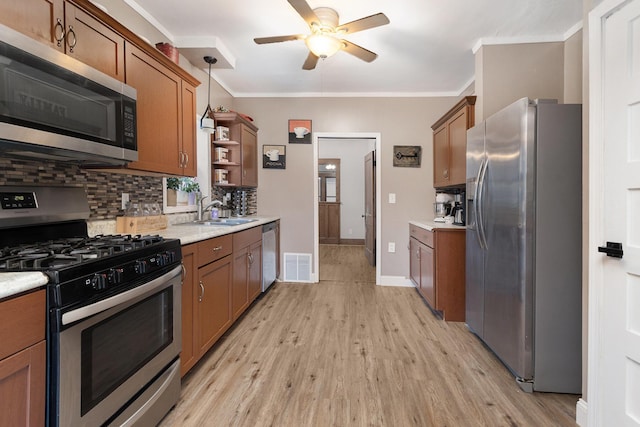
pixel 206 122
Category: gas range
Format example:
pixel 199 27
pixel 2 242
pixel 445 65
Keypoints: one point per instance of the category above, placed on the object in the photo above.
pixel 44 229
pixel 113 308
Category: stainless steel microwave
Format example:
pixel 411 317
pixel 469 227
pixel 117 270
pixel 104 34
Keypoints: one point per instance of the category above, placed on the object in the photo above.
pixel 55 107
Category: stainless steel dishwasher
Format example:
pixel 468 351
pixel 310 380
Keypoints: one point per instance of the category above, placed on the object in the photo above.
pixel 268 254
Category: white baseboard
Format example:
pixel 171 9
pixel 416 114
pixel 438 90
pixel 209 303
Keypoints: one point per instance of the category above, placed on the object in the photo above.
pixel 396 281
pixel 581 413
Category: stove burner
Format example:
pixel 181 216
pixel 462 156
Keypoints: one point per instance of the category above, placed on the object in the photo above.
pixel 69 251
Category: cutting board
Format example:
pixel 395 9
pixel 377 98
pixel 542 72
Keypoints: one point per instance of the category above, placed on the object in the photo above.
pixel 140 224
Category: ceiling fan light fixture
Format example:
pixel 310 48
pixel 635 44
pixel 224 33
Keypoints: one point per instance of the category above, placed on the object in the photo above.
pixel 323 45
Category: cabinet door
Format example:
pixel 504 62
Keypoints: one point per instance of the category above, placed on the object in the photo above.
pixel 190 291
pixel 214 302
pixel 414 261
pixel 457 128
pixel 22 387
pixel 159 131
pixel 249 157
pixel 240 288
pixel 90 41
pixel 188 112
pixel 427 275
pixel 441 157
pixel 37 19
pixel 255 270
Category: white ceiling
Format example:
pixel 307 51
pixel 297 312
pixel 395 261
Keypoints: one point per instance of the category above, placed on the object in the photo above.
pixel 427 49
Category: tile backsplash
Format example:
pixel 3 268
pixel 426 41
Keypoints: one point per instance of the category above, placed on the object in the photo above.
pixel 103 189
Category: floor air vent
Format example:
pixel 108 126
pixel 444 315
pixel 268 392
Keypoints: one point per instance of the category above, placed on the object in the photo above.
pixel 297 267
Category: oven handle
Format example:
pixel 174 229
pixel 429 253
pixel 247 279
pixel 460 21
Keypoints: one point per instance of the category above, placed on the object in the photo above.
pixel 89 310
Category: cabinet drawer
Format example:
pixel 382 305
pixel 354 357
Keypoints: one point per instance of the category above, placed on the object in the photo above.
pixel 421 235
pixel 22 322
pixel 247 237
pixel 213 249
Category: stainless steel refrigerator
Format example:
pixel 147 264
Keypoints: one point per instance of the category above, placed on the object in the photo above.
pixel 524 241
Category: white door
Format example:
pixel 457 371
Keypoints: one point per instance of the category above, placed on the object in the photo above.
pixel 614 306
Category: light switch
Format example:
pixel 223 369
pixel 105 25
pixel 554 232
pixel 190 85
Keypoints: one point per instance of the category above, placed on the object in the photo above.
pixel 392 247
pixel 125 200
pixel 392 197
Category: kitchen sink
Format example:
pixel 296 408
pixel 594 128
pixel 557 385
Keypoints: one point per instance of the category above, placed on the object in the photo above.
pixel 224 221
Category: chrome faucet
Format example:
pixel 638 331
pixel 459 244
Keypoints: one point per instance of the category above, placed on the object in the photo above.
pixel 202 209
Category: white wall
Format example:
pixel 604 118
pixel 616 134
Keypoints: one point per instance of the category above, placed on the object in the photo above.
pixel 351 153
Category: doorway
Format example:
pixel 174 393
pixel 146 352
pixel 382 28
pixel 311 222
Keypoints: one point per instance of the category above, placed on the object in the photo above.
pixel 329 201
pixel 352 219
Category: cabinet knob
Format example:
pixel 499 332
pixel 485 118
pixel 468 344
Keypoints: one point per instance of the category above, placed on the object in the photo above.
pixel 201 291
pixel 217 248
pixel 445 173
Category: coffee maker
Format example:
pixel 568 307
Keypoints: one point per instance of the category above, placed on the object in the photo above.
pixel 458 209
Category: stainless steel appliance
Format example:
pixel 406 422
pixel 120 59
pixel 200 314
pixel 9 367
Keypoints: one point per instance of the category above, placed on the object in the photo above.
pixel 269 256
pixel 523 242
pixel 457 211
pixel 114 309
pixel 56 107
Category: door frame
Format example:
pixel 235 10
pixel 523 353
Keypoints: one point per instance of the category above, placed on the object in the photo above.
pixel 316 240
pixel 596 217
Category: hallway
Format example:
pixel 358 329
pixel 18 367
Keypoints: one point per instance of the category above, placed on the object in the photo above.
pixel 345 352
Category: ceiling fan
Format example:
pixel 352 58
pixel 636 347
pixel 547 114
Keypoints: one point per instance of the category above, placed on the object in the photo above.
pixel 325 38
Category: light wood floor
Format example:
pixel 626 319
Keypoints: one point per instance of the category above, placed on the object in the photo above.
pixel 346 352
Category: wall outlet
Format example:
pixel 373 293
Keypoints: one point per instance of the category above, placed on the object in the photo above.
pixel 350 231
pixel 392 197
pixel 125 200
pixel 392 247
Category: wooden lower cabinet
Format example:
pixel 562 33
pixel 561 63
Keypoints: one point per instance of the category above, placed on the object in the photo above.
pixel 188 355
pixel 214 309
pixel 223 276
pixel 437 268
pixel 247 269
pixel 23 360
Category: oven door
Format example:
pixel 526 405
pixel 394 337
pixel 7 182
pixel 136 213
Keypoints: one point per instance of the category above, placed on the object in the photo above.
pixel 108 357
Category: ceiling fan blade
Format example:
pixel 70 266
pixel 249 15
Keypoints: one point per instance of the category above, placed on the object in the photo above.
pixel 304 10
pixel 310 62
pixel 277 39
pixel 364 23
pixel 358 51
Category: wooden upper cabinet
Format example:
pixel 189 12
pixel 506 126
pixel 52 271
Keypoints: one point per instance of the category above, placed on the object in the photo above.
pixel 249 147
pixel 441 156
pixel 242 169
pixel 37 19
pixel 450 144
pixel 70 29
pixel 89 40
pixel 189 146
pixel 166 116
pixel 166 97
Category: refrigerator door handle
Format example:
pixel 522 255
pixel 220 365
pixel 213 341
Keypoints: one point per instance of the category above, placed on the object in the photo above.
pixel 480 203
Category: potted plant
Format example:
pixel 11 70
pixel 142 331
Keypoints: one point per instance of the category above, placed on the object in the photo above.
pixel 173 186
pixel 191 187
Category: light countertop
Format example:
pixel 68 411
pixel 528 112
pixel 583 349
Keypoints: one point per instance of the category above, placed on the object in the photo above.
pixel 13 283
pixel 191 233
pixel 431 225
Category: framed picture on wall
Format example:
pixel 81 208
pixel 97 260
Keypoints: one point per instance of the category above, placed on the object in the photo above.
pixel 299 131
pixel 274 157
